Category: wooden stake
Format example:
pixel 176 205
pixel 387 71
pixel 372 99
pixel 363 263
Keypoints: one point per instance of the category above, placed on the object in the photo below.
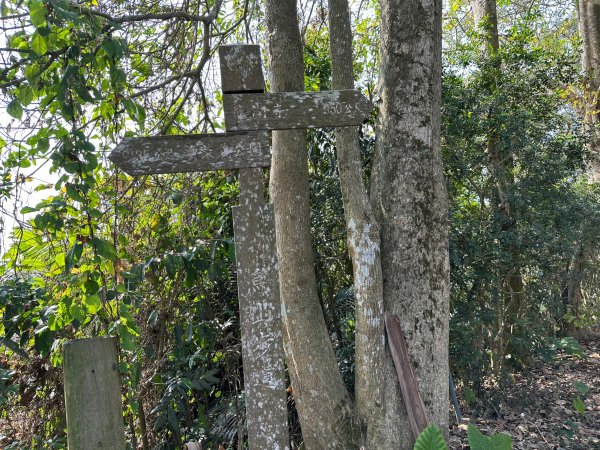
pixel 93 395
pixel 408 383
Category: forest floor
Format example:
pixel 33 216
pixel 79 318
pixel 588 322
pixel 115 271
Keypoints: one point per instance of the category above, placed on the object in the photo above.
pixel 541 410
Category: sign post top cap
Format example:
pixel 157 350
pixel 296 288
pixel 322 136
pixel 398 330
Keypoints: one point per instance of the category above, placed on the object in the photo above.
pixel 241 68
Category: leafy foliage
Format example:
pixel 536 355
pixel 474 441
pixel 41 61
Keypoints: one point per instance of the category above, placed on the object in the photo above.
pixel 479 441
pixel 430 439
pixel 519 94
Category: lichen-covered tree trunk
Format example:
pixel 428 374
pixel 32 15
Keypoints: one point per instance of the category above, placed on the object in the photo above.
pixel 588 19
pixel 363 243
pixel 409 193
pixel 323 403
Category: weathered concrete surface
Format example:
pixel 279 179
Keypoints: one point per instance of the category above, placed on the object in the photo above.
pixel 260 323
pixel 295 110
pixel 93 395
pixel 192 153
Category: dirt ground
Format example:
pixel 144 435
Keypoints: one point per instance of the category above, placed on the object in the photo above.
pixel 540 410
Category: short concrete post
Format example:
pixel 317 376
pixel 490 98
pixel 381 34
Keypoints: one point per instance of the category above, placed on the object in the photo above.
pixel 93 395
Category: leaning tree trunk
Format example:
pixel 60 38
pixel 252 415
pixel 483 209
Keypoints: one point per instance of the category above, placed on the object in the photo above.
pixel 323 403
pixel 363 243
pixel 409 193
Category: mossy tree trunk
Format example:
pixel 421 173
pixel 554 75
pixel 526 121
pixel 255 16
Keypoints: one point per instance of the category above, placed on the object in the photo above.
pixel 409 194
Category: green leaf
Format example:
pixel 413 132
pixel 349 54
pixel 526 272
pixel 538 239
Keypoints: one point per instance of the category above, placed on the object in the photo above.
pixel 82 91
pixel 430 439
pixel 579 406
pixel 92 303
pixel 77 312
pixel 14 347
pixel 38 44
pixel 73 256
pixel 117 76
pixel 479 441
pixel 104 248
pixel 73 193
pixel 25 95
pixel 15 109
pixel 27 210
pixel 172 418
pixel 582 388
pixel 32 73
pixel 37 13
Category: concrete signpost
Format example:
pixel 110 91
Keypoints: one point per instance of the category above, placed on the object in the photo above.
pixel 248 109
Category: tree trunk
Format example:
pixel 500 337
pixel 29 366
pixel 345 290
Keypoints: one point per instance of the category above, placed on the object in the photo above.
pixel 410 196
pixel 588 19
pixel 574 294
pixel 323 403
pixel 486 21
pixel 363 243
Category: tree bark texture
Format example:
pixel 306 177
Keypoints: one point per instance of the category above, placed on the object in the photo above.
pixel 485 17
pixel 323 403
pixel 93 395
pixel 574 294
pixel 588 19
pixel 409 193
pixel 363 243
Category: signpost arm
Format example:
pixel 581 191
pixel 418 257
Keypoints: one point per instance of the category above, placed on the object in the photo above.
pixel 257 279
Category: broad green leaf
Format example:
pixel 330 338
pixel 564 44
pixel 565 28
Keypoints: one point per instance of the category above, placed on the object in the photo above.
pixel 77 312
pixel 92 303
pixel 479 441
pixel 104 248
pixel 73 193
pixel 15 109
pixel 38 44
pixel 25 95
pixel 430 439
pixel 32 73
pixel 37 13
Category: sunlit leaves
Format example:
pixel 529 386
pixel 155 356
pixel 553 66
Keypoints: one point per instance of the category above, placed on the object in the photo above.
pixel 93 303
pixel 38 44
pixel 37 13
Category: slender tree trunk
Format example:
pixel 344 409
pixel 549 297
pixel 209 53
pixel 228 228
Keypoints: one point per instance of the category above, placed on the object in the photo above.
pixel 324 405
pixel 486 20
pixel 588 19
pixel 363 243
pixel 574 295
pixel 410 196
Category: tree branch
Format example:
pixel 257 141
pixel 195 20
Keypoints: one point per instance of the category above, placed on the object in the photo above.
pixel 170 15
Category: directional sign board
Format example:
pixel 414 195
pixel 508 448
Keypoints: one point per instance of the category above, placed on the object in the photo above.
pixel 247 108
pixel 290 110
pixel 192 153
